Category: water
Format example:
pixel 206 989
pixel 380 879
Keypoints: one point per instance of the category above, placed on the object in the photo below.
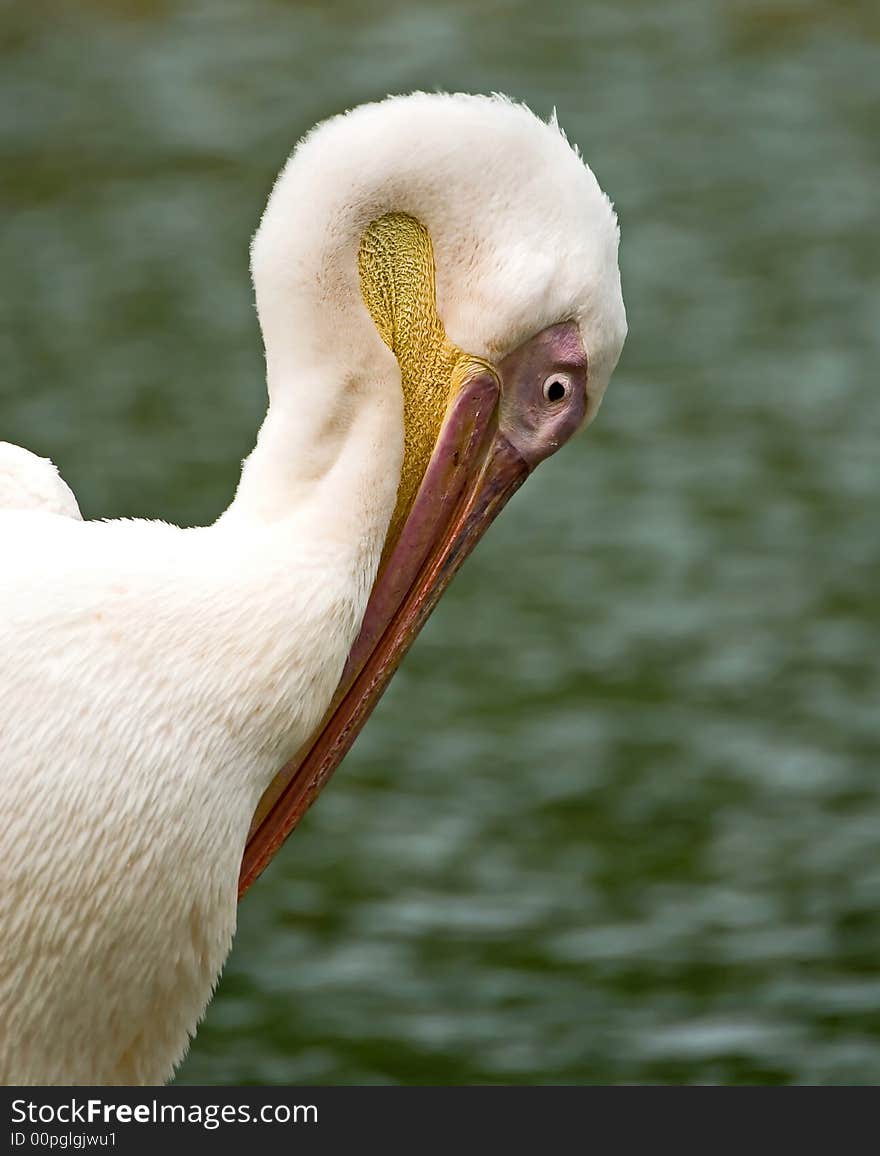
pixel 618 818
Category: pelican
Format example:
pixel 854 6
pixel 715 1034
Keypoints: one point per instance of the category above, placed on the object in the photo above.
pixel 437 286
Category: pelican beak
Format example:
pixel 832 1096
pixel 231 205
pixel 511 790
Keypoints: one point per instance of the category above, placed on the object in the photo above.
pixel 501 423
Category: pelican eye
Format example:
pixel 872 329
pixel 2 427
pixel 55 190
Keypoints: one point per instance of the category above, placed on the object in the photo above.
pixel 557 387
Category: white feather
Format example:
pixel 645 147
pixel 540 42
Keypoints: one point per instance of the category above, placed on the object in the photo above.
pixel 28 482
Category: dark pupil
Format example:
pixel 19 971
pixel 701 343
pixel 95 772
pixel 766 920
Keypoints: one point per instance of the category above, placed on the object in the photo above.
pixel 555 391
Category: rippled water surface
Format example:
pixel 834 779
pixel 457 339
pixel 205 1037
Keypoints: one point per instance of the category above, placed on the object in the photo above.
pixel 618 818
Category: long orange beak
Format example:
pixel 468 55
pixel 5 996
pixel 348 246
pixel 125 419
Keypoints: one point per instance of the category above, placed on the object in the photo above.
pixel 498 427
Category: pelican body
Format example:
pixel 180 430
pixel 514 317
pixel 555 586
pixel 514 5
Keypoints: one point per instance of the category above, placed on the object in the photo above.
pixel 438 291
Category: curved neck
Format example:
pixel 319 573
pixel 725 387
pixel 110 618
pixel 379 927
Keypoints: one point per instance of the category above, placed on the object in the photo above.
pixel 328 457
pixel 332 444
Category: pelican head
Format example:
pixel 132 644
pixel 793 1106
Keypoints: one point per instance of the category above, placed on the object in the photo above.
pixel 458 260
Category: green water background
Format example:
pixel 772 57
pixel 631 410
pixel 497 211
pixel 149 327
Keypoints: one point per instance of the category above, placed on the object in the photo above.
pixel 618 818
